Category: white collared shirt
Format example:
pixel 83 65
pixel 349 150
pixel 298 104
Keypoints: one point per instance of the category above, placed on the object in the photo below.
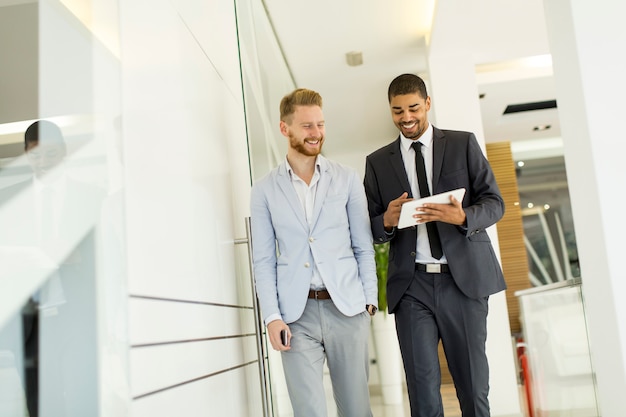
pixel 408 156
pixel 306 195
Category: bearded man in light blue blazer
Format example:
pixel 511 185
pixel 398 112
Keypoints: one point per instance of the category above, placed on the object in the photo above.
pixel 314 265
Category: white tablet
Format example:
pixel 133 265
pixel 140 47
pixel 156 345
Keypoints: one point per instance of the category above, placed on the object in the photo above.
pixel 408 208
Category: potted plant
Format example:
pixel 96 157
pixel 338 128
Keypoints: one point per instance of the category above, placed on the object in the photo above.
pixel 381 255
pixel 387 350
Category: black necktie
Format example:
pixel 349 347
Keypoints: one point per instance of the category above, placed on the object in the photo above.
pixel 431 227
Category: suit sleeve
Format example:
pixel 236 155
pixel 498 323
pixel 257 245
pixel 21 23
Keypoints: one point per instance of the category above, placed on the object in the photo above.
pixel 486 204
pixel 375 204
pixel 361 238
pixel 263 253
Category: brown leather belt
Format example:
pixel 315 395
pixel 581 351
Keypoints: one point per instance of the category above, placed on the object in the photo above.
pixel 319 295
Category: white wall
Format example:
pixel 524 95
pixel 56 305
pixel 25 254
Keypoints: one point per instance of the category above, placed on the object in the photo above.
pixel 586 41
pixel 187 185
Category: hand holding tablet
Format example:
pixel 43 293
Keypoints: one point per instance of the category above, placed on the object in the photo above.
pixel 408 208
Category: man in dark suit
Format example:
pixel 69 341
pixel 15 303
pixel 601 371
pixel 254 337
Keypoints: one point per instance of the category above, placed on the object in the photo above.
pixel 440 277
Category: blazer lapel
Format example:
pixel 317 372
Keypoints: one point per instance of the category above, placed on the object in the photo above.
pixel 439 147
pixel 284 182
pixel 323 185
pixel 395 156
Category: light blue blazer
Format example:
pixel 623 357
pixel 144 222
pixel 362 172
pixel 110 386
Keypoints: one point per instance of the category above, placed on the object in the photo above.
pixel 338 242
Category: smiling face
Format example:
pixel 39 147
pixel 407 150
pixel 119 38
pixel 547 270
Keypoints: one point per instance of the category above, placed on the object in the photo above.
pixel 305 130
pixel 410 114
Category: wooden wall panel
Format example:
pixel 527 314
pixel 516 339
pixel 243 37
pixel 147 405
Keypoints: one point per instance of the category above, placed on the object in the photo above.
pixel 510 229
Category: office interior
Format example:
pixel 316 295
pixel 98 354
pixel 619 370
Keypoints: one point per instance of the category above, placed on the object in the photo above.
pixel 139 300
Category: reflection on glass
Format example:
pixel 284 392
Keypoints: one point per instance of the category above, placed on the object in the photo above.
pixel 13 384
pixel 48 362
pixel 557 347
pixel 55 360
pixel 552 255
pixel 266 79
pixel 62 286
pixel 45 149
pixel 68 367
pixel 547 218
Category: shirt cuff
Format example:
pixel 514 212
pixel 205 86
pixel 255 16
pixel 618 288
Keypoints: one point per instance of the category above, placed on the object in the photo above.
pixel 272 317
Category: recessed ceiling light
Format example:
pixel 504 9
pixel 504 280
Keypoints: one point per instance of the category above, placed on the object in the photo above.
pixel 540 128
pixel 520 163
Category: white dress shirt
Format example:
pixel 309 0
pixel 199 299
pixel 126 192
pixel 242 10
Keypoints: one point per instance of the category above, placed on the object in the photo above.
pixel 306 195
pixel 408 156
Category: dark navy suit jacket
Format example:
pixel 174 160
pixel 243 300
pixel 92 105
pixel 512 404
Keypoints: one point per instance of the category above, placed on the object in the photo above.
pixel 457 162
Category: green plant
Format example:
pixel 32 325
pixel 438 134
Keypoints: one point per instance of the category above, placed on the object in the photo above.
pixel 381 255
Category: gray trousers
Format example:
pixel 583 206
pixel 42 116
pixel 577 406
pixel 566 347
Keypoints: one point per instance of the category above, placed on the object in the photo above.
pixel 324 333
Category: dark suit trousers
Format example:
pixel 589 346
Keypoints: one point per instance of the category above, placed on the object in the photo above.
pixel 434 308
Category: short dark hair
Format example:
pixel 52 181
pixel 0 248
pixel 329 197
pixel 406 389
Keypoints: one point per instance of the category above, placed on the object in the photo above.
pixel 298 97
pixel 43 130
pixel 407 84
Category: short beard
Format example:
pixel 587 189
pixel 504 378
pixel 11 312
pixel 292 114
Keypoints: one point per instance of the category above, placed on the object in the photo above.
pixel 301 148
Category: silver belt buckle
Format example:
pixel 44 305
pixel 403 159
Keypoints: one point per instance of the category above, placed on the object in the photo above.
pixel 433 268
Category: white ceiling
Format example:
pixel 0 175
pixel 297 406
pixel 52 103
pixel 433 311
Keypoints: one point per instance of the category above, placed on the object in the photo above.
pixel 503 37
pixel 393 36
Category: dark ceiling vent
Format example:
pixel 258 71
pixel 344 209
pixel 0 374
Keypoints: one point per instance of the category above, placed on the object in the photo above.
pixel 538 105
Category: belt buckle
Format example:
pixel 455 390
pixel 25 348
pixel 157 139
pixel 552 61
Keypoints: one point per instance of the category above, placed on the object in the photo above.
pixel 433 268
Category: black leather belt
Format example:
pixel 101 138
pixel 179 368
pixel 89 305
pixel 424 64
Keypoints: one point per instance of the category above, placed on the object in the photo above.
pixel 432 268
pixel 319 295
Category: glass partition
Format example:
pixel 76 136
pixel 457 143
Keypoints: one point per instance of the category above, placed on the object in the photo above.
pixel 559 371
pixel 266 79
pixel 63 344
pixel 549 234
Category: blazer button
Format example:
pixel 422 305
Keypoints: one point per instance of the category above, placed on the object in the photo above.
pixel 413 254
pixel 306 264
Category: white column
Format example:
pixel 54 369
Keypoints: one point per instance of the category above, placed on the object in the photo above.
pixel 455 105
pixel 587 42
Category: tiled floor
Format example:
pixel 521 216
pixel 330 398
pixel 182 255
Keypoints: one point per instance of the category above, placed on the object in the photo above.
pixel 450 405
